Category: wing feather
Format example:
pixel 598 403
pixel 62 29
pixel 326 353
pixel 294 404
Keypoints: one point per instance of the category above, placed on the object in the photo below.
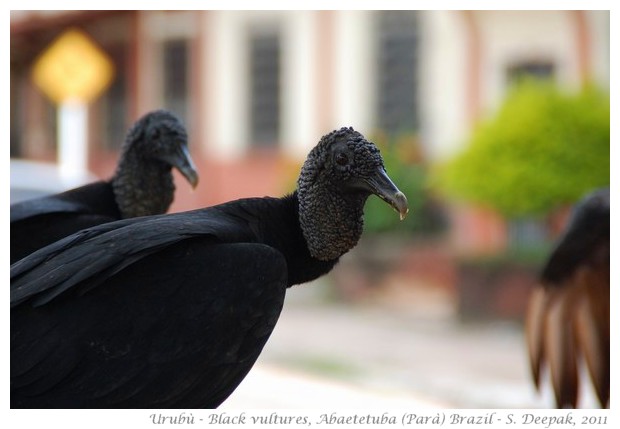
pixel 560 349
pixel 154 336
pixel 534 329
pixel 102 251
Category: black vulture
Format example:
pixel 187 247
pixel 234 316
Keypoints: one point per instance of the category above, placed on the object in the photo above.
pixel 568 314
pixel 172 311
pixel 142 185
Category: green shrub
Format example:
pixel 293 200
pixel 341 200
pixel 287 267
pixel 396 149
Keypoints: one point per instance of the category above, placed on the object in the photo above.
pixel 544 148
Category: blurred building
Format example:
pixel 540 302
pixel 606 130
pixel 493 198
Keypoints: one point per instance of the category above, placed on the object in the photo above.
pixel 257 89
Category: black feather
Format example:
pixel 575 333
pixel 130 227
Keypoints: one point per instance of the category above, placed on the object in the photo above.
pixel 588 227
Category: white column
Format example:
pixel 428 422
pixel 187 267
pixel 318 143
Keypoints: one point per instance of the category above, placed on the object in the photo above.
pixel 299 52
pixel 443 82
pixel 72 141
pixel 227 84
pixel 355 68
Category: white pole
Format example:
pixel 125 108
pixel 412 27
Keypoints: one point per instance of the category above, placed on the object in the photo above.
pixel 72 141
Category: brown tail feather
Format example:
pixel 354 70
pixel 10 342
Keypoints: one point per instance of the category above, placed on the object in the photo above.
pixel 559 346
pixel 534 329
pixel 591 323
pixel 565 322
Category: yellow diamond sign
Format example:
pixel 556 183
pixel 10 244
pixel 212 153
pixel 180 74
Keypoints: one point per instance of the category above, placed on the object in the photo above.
pixel 73 67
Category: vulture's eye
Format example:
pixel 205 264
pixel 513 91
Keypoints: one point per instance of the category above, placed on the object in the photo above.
pixel 342 159
pixel 155 134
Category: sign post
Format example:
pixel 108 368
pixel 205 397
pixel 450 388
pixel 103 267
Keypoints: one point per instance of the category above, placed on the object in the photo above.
pixel 72 71
pixel 72 139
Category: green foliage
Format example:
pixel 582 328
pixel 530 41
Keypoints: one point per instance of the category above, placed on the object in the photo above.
pixel 544 148
pixel 403 164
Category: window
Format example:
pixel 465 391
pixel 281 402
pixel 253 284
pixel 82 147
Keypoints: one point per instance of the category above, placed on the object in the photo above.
pixel 264 78
pixel 175 71
pixel 536 69
pixel 397 71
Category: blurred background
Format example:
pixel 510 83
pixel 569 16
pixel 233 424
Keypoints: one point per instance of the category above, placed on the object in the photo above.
pixel 493 123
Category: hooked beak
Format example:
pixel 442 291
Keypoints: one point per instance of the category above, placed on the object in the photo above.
pixel 182 160
pixel 382 186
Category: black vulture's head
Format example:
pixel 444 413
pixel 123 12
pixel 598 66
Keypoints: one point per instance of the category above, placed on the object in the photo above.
pixel 160 135
pixel 143 183
pixel 340 173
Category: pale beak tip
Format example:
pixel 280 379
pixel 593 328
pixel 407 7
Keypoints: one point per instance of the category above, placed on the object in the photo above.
pixel 403 215
pixel 401 205
pixel 192 177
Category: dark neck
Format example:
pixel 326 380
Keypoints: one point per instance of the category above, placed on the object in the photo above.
pixel 332 223
pixel 142 186
pixel 275 222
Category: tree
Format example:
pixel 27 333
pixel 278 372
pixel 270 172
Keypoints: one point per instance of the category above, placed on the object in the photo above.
pixel 543 149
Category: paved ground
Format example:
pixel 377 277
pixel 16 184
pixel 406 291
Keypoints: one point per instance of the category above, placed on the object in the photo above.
pixel 412 353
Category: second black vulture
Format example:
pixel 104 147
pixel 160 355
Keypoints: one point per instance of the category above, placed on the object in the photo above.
pixel 568 314
pixel 142 185
pixel 172 311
